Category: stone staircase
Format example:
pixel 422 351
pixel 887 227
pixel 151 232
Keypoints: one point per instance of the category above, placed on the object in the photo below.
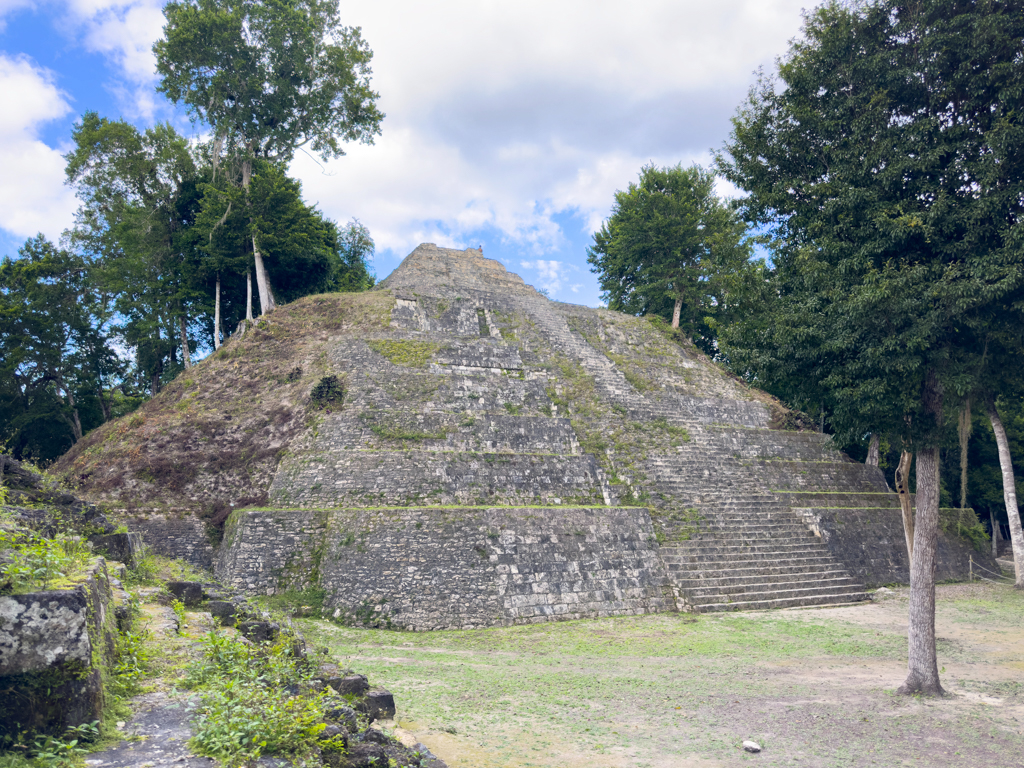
pixel 753 554
pixel 748 549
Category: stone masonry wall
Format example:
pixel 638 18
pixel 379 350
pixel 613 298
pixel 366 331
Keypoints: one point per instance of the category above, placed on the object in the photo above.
pixel 442 568
pixel 870 542
pixel 54 646
pixel 185 537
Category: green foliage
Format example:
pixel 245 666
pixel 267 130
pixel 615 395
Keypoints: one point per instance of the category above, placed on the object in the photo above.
pixel 413 354
pixel 132 662
pixel 179 613
pixel 882 164
pixel 669 244
pixel 66 751
pixel 36 562
pixel 269 77
pixel 246 709
pixel 329 392
pixel 56 366
pixel 965 523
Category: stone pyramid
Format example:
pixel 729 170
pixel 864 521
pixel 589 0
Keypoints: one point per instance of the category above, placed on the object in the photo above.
pixel 502 458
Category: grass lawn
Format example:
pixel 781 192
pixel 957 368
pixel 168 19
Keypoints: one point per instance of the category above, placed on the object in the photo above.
pixel 814 688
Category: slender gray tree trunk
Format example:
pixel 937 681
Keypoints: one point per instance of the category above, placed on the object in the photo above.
pixel 185 354
pixel 248 295
pixel 922 661
pixel 262 283
pixel 676 312
pixel 995 532
pixel 1009 494
pixel 216 316
pixel 903 490
pixel 873 445
pixel 964 433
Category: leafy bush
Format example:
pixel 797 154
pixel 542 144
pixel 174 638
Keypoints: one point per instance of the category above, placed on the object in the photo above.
pixel 248 705
pixel 36 562
pixel 329 392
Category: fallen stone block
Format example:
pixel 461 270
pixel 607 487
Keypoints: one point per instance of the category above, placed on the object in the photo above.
pixel 124 548
pixel 223 611
pixel 260 631
pixel 188 592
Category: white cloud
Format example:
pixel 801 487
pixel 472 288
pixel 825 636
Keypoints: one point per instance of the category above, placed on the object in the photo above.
pixel 502 115
pixel 33 197
pixel 551 274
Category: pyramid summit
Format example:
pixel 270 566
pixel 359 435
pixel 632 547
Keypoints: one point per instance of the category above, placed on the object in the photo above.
pixel 453 449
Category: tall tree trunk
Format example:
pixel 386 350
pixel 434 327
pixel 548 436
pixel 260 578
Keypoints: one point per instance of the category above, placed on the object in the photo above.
pixel 996 533
pixel 186 356
pixel 216 316
pixel 676 311
pixel 1009 492
pixel 922 661
pixel 262 283
pixel 964 433
pixel 248 295
pixel 104 403
pixel 74 422
pixel 903 489
pixel 873 446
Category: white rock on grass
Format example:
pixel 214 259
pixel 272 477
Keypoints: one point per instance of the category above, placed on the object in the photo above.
pixel 751 746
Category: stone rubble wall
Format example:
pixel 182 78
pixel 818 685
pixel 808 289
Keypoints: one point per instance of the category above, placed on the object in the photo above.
pixel 54 648
pixel 446 568
pixel 178 536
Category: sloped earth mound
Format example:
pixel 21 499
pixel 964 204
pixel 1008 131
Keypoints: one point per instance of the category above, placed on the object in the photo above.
pixel 212 437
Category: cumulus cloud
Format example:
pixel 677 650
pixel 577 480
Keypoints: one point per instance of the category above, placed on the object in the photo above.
pixel 551 274
pixel 503 115
pixel 502 118
pixel 33 197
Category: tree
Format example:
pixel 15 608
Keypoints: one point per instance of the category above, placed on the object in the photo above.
pixel 139 194
pixel 885 163
pixel 667 248
pixel 54 353
pixel 269 77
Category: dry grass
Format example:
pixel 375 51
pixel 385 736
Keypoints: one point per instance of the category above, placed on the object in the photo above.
pixel 214 435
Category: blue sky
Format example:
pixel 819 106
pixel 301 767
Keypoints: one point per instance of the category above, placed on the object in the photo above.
pixel 509 125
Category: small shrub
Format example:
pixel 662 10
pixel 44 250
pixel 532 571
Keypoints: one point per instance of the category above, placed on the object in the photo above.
pixel 294 374
pixel 67 751
pixel 329 392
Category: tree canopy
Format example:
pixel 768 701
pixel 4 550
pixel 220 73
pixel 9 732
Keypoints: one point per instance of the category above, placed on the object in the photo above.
pixel 669 248
pixel 884 162
pixel 269 76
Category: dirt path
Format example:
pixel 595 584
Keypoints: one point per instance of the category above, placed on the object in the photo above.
pixel 814 688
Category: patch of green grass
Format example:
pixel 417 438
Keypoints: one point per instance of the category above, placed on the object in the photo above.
pixel 595 685
pixel 412 354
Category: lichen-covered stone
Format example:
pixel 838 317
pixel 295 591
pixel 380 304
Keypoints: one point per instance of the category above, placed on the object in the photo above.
pixel 55 647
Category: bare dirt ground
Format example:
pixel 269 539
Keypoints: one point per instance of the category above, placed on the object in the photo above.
pixel 813 687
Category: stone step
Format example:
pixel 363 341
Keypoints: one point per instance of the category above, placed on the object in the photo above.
pixel 765 562
pixel 755 572
pixel 770 593
pixel 823 601
pixel 710 592
pixel 728 582
pixel 753 550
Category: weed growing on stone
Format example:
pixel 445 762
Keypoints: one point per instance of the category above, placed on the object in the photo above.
pixel 251 702
pixel 36 562
pixel 412 354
